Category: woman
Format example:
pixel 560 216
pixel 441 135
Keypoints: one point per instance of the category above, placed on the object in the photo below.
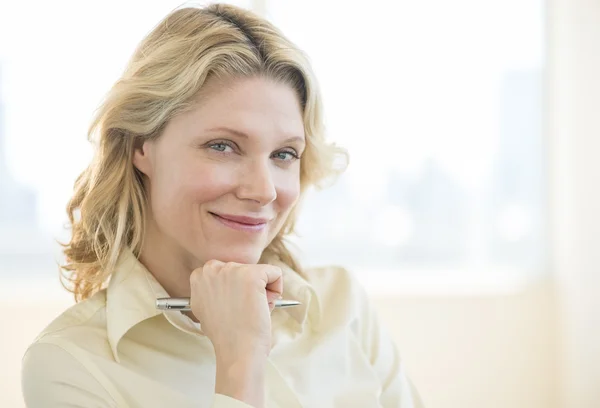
pixel 204 149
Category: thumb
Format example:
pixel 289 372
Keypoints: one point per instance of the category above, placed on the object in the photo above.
pixel 271 298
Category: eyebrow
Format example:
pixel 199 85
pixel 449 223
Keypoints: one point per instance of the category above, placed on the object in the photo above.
pixel 245 135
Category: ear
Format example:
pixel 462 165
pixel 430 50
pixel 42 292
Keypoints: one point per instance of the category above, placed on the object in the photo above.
pixel 142 157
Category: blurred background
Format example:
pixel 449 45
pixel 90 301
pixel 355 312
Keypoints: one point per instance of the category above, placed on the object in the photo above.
pixel 469 210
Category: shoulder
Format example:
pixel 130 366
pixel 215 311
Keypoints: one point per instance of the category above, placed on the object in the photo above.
pixel 83 324
pixel 342 297
pixel 52 377
pixel 54 360
pixel 333 281
pixel 77 315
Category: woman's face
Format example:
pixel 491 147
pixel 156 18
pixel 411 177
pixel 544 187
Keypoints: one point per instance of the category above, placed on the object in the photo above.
pixel 223 177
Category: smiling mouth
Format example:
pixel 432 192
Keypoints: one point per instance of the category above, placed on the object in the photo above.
pixel 241 223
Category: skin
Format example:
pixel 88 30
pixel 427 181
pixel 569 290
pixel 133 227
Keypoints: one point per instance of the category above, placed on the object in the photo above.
pixel 234 154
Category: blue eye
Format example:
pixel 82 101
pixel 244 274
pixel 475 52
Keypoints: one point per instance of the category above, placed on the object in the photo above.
pixel 220 147
pixel 286 155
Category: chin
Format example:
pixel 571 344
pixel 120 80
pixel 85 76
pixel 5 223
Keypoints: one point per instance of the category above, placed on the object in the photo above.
pixel 235 254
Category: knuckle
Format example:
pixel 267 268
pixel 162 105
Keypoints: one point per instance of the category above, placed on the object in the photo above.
pixel 195 276
pixel 233 267
pixel 226 268
pixel 212 264
pixel 276 269
pixel 273 270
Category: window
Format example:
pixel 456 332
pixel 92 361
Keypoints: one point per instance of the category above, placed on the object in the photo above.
pixel 439 104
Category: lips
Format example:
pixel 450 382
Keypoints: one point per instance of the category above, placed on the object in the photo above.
pixel 240 219
pixel 242 223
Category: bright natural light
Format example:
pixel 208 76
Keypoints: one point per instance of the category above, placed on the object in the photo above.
pixel 443 126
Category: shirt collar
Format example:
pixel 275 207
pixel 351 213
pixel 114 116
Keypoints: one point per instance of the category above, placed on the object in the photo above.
pixel 132 292
pixel 295 287
pixel 129 298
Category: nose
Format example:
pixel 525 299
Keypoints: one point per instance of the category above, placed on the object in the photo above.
pixel 257 182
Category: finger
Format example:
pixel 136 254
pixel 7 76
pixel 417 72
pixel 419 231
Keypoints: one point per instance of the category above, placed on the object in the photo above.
pixel 274 280
pixel 213 264
pixel 271 274
pixel 272 296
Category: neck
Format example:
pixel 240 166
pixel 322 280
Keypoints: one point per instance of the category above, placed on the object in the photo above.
pixel 167 262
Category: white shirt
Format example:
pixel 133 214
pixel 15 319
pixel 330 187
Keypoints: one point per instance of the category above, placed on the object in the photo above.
pixel 116 350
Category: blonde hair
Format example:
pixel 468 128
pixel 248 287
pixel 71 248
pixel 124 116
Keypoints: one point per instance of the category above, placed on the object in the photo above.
pixel 164 76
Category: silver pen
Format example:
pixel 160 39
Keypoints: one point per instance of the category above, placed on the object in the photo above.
pixel 183 304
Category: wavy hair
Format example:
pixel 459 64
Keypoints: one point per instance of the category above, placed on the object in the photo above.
pixel 166 73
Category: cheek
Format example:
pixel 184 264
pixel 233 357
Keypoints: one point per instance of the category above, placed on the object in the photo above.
pixel 182 188
pixel 208 183
pixel 288 192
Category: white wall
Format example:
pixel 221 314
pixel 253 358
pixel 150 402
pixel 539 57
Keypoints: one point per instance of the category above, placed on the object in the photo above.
pixel 492 351
pixel 541 347
pixel 575 129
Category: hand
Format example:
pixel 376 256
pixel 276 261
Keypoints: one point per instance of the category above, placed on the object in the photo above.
pixel 233 304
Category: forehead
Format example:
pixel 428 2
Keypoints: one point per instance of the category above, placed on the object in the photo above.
pixel 249 103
